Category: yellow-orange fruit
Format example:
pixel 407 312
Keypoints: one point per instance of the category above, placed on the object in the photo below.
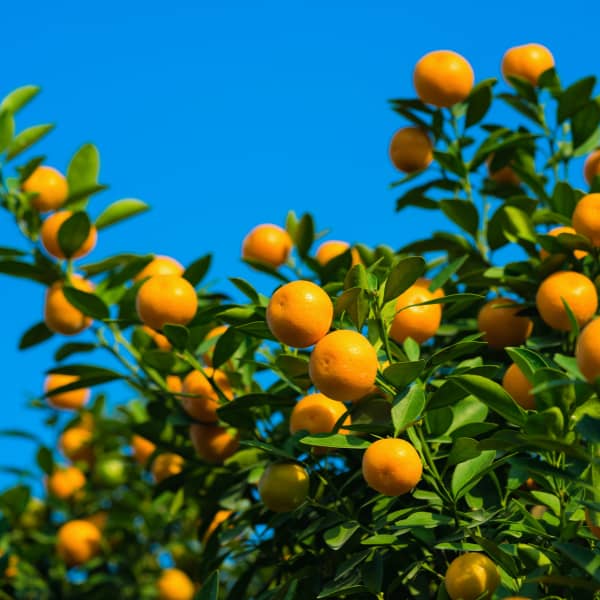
pixel 220 517
pixel 587 351
pixel 73 400
pixel 174 384
pixel 213 444
pixel 418 322
pixel 586 218
pixel 283 487
pixel 174 584
pixel 527 62
pixel 343 365
pixel 500 324
pixel 49 236
pixel 160 265
pixel 49 186
pixel 411 150
pixel 443 78
pixel 392 466
pixel 424 282
pixel 166 465
pixel 60 315
pixel 591 168
pixel 142 449
pixel 576 290
pixel 205 402
pixel 555 232
pixel 299 314
pixel 159 339
pixel 471 576
pixel 316 413
pixel 268 244
pixel 166 299
pixel 519 387
pixel 75 444
pixel 64 482
pixel 78 541
pixel 505 174
pixel 328 250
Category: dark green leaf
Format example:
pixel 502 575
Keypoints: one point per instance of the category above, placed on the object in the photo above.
pixel 405 411
pixel 44 460
pixel 305 235
pixel 73 233
pixel 27 271
pixel 584 123
pixel 210 588
pixel 89 304
pixel 402 276
pixel 71 348
pixel 585 559
pixel 404 373
pixel 463 213
pixel 574 98
pixel 178 335
pixel 196 272
pixel 467 474
pixel 479 102
pixel 36 334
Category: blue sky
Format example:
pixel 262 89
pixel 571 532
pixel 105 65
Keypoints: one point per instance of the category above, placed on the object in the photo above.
pixel 225 115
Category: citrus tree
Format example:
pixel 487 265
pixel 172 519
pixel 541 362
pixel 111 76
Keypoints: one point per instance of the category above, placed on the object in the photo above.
pixel 378 423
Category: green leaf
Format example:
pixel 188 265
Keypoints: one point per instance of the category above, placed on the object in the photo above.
pixel 402 276
pixel 582 557
pixel 527 360
pixel 210 588
pixel 468 473
pixel 73 233
pixel 27 271
pixel 584 123
pixel 479 102
pixel 463 213
pixel 407 410
pixel 356 278
pixel 196 272
pixel 335 537
pixel 335 440
pixel 454 351
pixel 36 334
pixel 246 288
pixel 7 129
pixel 89 304
pixel 446 273
pixel 492 394
pixel 178 335
pixel 119 211
pixel 464 449
pixel 27 138
pixel 383 539
pixel 71 348
pixel 226 346
pixel 44 460
pixel 574 98
pixel 404 373
pixel 589 429
pixel 82 174
pixel 18 98
pixel 304 235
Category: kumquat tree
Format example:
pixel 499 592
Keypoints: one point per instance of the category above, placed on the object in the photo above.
pixel 421 422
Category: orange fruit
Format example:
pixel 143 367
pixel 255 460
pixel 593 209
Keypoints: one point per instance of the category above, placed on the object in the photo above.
pixel 555 232
pixel 49 236
pixel 471 576
pixel 75 399
pixel 316 413
pixel 527 62
pixel 519 387
pixel 500 325
pixel 417 322
pixel 268 244
pixel 61 316
pixel 174 584
pixel 78 541
pixel 49 186
pixel 591 168
pixel 392 467
pixel 213 444
pixel 75 444
pixel 587 351
pixel 595 529
pixel 166 465
pixel 283 487
pixel 174 384
pixel 203 405
pixel 161 265
pixel 220 517
pixel 166 299
pixel 64 482
pixel 343 365
pixel 12 569
pixel 425 283
pixel 142 449
pixel 505 174
pixel 443 78
pixel 159 339
pixel 576 290
pixel 299 314
pixel 586 218
pixel 215 332
pixel 328 250
pixel 411 150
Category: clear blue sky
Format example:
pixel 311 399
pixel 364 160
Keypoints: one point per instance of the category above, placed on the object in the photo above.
pixel 224 115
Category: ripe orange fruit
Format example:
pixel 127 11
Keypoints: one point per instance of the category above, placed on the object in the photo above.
pixel 527 62
pixel 61 316
pixel 75 399
pixel 555 232
pixel 343 365
pixel 213 444
pixel 160 265
pixel 587 351
pixel 595 529
pixel 328 250
pixel 50 187
pixel 500 324
pixel 519 387
pixel 299 314
pixel 142 449
pixel 217 332
pixel 425 283
pixel 443 78
pixel 166 299
pixel 174 384
pixel 316 413
pixel 505 174
pixel 203 405
pixel 159 339
pixel 576 289
pixel 220 517
pixel 591 168
pixel 411 150
pixel 417 322
pixel 268 244
pixel 174 584
pixel 49 236
pixel 283 487
pixel 75 444
pixel 471 576
pixel 586 218
pixel 166 465
pixel 78 541
pixel 64 482
pixel 392 467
